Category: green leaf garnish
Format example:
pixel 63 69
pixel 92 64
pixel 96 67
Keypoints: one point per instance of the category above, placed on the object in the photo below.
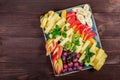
pixel 73 48
pixel 64 34
pixel 88 59
pixel 65 28
pixel 56 31
pixel 77 42
pixel 88 55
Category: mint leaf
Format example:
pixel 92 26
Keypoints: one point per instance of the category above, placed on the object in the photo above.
pixel 91 54
pixel 88 55
pixel 77 42
pixel 73 48
pixel 56 31
pixel 87 59
pixel 87 51
pixel 57 28
pixel 64 34
pixel 65 28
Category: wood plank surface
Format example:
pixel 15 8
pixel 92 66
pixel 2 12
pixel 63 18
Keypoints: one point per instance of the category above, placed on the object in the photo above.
pixel 22 50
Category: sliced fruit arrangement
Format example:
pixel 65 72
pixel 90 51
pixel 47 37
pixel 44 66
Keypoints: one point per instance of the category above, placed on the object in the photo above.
pixel 70 40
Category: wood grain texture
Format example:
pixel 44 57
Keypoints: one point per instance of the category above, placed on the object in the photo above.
pixel 22 50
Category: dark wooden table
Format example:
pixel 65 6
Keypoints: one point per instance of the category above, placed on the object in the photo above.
pixel 22 52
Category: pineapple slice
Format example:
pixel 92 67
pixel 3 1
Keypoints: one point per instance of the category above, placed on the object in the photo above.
pixel 57 38
pixel 61 22
pixel 85 46
pixel 82 57
pixel 92 59
pixel 78 49
pixel 98 61
pixel 99 64
pixel 51 23
pixel 93 47
pixel 69 32
pixel 50 13
pixel 92 41
pixel 50 26
pixel 99 54
pixel 43 20
pixel 98 57
pixel 67 26
pixel 55 18
pixel 64 41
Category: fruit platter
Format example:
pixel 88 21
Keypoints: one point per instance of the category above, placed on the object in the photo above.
pixel 72 40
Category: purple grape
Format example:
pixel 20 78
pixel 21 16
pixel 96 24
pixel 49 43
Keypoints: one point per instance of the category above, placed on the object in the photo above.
pixel 74 68
pixel 65 66
pixel 75 60
pixel 80 64
pixel 76 64
pixel 70 64
pixel 64 62
pixel 64 70
pixel 63 58
pixel 69 53
pixel 79 68
pixel 78 56
pixel 70 69
pixel 65 53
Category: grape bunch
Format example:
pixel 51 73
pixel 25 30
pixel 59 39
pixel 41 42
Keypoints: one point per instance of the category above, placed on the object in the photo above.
pixel 70 61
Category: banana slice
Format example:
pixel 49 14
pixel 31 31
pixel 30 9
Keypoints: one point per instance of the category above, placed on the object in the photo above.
pixel 86 7
pixel 76 9
pixel 89 22
pixel 88 14
pixel 81 18
pixel 82 12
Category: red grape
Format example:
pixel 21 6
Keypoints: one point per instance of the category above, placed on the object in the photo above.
pixel 76 64
pixel 63 58
pixel 78 56
pixel 70 69
pixel 74 68
pixel 65 66
pixel 64 70
pixel 70 64
pixel 79 68
pixel 65 53
pixel 75 60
